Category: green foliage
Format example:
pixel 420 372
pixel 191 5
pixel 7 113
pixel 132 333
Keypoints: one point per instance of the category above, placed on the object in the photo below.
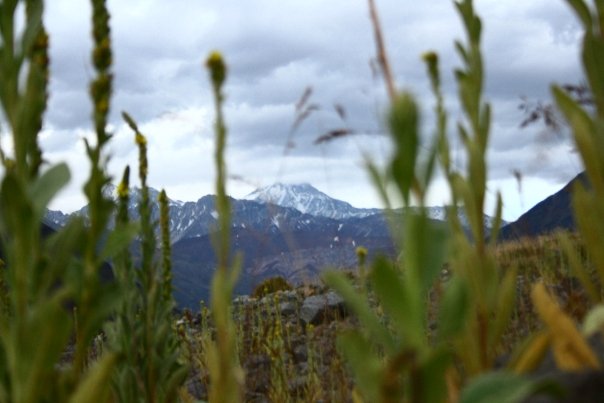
pixel 588 133
pixel 270 286
pixel 43 276
pixel 46 277
pixel 399 350
pixel 164 219
pixel 390 354
pixel 571 349
pixel 498 387
pixel 142 331
pixel 225 374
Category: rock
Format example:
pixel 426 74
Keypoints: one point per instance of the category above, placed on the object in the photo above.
pixel 296 385
pixel 583 386
pixel 287 308
pixel 195 386
pixel 322 308
pixel 300 353
pixel 243 300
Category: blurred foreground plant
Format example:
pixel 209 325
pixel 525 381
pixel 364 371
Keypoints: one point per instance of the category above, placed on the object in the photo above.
pixel 571 350
pixel 226 376
pixel 47 277
pixel 142 332
pixel 399 356
pixel 60 289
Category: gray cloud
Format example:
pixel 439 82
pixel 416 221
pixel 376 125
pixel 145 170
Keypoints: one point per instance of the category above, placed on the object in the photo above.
pixel 274 51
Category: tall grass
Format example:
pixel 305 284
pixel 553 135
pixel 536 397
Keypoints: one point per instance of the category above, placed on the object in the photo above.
pixel 403 359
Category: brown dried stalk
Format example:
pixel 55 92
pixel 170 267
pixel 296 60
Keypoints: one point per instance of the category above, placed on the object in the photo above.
pixel 382 56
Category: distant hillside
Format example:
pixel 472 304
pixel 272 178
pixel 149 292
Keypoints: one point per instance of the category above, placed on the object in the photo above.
pixel 295 253
pixel 293 231
pixel 553 213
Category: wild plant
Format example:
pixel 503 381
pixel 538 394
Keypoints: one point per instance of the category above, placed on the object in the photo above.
pixel 570 347
pixel 491 293
pixel 587 124
pixel 313 388
pixel 100 207
pixel 142 332
pixel 398 357
pixel 54 290
pixel 225 373
pixel 44 276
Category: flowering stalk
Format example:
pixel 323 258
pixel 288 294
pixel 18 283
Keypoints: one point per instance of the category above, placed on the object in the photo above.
pixel 226 374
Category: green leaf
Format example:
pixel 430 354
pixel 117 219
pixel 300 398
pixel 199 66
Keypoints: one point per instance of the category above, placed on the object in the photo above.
pixel 583 129
pixel 174 380
pixel 424 253
pixel 594 321
pixel 600 11
pixel 593 61
pixel 365 365
pixel 102 306
pixel 497 387
pixel 578 268
pixel 404 122
pixel 389 288
pixel 454 309
pixel 15 205
pixel 359 305
pixel 497 223
pixel 48 185
pixel 462 52
pixel 95 387
pixel 119 240
pixel 30 361
pixel 61 249
pixel 378 182
pixel 33 25
pixel 582 12
pixel 505 305
pixel 485 125
pixel 432 376
pixel 589 217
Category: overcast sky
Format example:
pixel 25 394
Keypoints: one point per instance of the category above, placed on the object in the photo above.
pixel 275 49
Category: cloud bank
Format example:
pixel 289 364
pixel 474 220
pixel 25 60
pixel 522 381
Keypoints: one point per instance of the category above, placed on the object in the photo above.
pixel 275 50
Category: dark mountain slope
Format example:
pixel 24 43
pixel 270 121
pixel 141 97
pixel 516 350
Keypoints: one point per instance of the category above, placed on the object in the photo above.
pixel 297 255
pixel 553 213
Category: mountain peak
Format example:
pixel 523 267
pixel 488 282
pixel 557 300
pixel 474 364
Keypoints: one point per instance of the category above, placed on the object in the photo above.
pixel 278 192
pixel 307 199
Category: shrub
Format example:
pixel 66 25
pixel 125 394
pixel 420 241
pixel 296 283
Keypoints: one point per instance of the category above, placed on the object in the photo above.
pixel 270 286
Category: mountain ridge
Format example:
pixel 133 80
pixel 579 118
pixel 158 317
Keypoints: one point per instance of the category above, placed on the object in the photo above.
pixel 553 213
pixel 307 199
pixel 196 218
pixel 275 240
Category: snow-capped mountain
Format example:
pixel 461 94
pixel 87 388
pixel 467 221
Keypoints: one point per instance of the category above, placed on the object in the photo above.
pixel 196 219
pixel 58 219
pixel 307 199
pixel 276 205
pixel 289 230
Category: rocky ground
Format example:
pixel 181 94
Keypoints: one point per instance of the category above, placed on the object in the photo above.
pixel 288 349
pixel 287 343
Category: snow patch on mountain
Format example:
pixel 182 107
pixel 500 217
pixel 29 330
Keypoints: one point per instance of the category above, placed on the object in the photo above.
pixel 308 200
pixel 282 207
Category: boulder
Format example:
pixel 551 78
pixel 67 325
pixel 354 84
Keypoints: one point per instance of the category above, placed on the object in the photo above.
pixel 322 308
